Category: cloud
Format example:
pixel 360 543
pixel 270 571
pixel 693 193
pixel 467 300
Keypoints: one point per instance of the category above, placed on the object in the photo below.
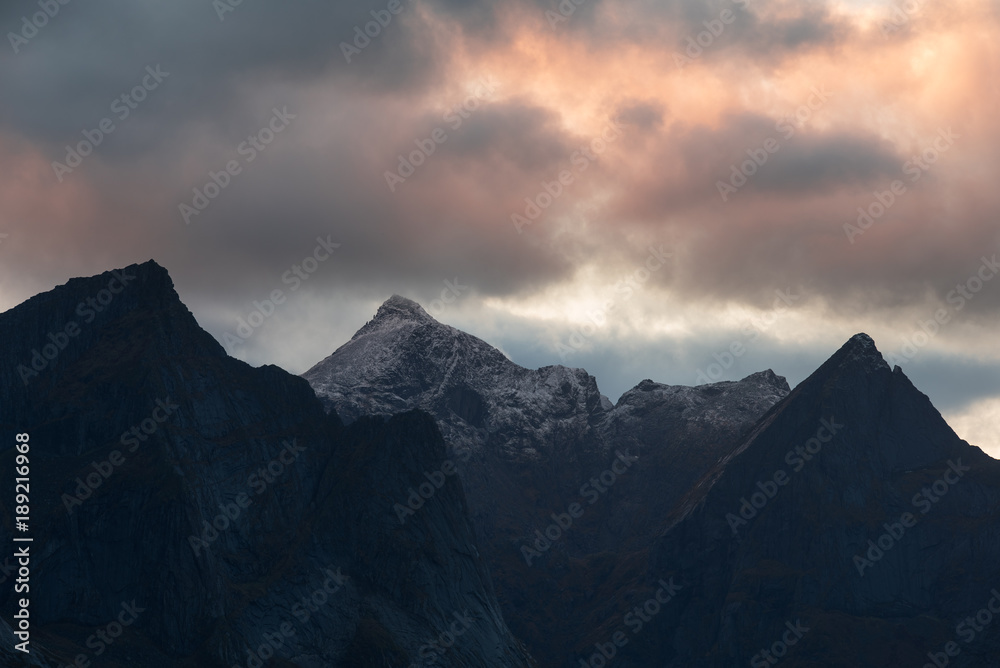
pixel 69 73
pixel 977 424
pixel 683 129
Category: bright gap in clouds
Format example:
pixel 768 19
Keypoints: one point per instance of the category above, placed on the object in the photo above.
pixel 978 425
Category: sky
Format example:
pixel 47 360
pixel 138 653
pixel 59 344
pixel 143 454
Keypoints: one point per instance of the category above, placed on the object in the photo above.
pixel 679 190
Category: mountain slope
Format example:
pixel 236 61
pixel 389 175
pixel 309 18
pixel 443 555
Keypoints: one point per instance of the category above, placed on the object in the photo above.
pixel 509 422
pixel 403 358
pixel 529 443
pixel 217 507
pixel 852 508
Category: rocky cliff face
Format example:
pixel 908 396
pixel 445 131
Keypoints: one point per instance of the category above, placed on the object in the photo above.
pixel 403 359
pixel 550 428
pixel 530 443
pixel 852 527
pixel 189 510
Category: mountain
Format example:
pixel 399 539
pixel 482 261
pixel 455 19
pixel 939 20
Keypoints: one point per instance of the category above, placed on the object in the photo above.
pixel 851 511
pixel 529 443
pixel 190 510
pixel 747 523
pixel 403 358
pixel 509 424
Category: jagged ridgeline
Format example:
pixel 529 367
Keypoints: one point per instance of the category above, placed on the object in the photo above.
pixel 762 503
pixel 418 499
pixel 217 508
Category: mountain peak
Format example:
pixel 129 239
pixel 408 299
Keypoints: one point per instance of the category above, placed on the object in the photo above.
pixel 137 287
pixel 396 307
pixel 861 349
pixel 862 340
pixel 768 377
pixel 396 312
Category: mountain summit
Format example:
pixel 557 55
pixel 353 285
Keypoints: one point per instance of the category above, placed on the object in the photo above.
pixel 395 311
pixel 403 358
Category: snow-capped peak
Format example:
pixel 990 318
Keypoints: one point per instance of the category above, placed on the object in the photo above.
pixel 394 312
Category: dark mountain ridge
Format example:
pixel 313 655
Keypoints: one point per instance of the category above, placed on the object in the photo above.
pixel 222 501
pixel 237 516
pixel 699 454
pixel 820 516
pixel 530 443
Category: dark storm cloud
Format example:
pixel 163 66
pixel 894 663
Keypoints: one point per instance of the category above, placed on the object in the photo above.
pixel 453 215
pixel 812 26
pixel 683 131
pixel 64 79
pixel 525 137
pixel 450 218
pixel 693 160
pixel 756 29
pixel 815 162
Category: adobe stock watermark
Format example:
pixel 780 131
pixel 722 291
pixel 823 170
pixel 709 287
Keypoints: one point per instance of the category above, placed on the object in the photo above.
pixel 929 328
pixel 258 483
pixel 626 287
pixel 449 295
pixel 250 148
pixel 294 277
pixel 966 630
pixel 104 637
pixel 752 330
pixel 566 9
pixel 924 500
pixel 223 7
pixel 31 26
pixel 303 610
pixel 898 16
pixel 426 147
pixel 591 491
pixel 957 298
pixel 85 487
pixel 580 160
pixel 272 642
pixel 311 603
pixel 425 490
pixel 88 311
pixel 635 619
pixel 714 28
pixel 797 458
pixel 434 648
pixel 915 168
pixel 779 648
pixel 740 175
pixel 7 568
pixel 122 107
pixel 372 29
